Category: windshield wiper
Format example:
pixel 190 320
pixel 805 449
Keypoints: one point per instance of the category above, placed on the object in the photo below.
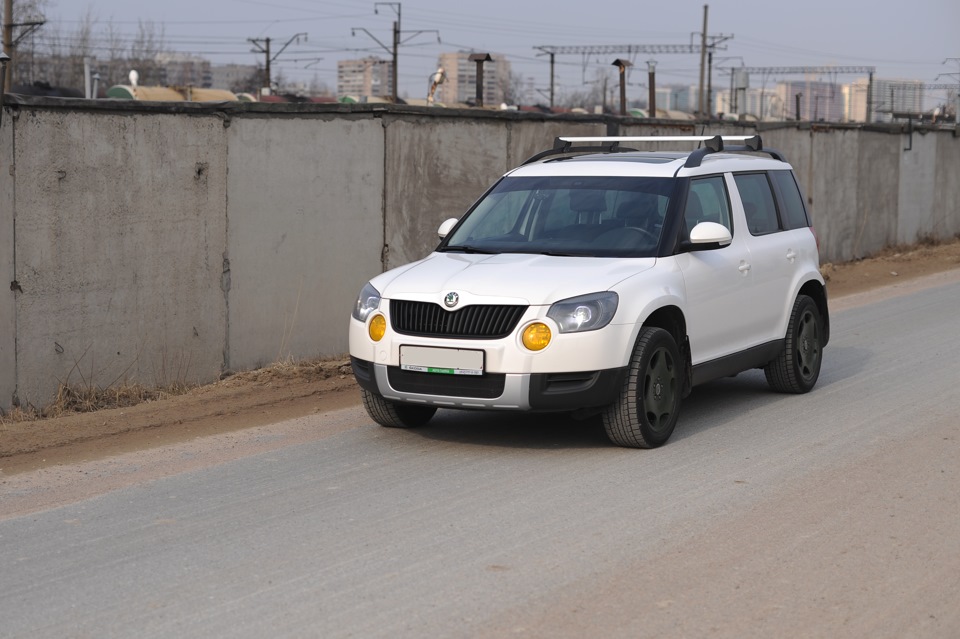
pixel 562 254
pixel 466 248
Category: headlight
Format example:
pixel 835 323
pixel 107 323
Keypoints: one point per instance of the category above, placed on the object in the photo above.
pixel 584 313
pixel 367 302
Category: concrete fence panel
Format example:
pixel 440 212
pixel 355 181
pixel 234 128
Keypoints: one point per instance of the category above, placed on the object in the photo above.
pixel 917 214
pixel 120 219
pixel 529 137
pixel 877 183
pixel 946 201
pixel 832 193
pixel 305 232
pixel 435 169
pixel 8 299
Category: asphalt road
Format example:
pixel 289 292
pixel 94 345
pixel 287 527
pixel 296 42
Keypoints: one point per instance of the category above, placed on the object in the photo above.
pixel 833 514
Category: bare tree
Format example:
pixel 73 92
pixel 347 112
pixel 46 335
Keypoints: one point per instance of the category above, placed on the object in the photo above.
pixel 146 45
pixel 116 70
pixel 249 84
pixel 26 13
pixel 513 87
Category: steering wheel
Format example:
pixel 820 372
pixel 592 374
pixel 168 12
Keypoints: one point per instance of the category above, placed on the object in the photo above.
pixel 627 237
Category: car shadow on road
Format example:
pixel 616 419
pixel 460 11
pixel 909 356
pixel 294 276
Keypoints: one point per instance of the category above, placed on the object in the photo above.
pixel 709 406
pixel 515 430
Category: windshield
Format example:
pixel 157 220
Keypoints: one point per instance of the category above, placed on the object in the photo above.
pixel 582 216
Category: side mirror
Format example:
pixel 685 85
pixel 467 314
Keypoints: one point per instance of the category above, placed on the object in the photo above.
pixel 446 227
pixel 710 233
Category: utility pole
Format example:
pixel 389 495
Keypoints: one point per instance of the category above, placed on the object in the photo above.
pixel 9 42
pixel 553 54
pixel 709 111
pixel 263 46
pixel 8 39
pixel 394 50
pixel 714 41
pixel 703 54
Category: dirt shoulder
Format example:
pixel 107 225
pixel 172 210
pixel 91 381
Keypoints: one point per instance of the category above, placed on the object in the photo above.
pixel 258 398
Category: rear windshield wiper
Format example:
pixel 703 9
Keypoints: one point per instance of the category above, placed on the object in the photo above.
pixel 465 248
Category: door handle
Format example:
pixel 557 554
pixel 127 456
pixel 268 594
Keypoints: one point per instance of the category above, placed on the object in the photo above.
pixel 791 255
pixel 744 267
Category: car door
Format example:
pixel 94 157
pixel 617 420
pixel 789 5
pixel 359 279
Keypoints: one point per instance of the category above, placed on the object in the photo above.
pixel 774 253
pixel 717 280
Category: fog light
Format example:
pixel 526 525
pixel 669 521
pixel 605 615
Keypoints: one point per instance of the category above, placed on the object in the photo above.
pixel 377 328
pixel 536 336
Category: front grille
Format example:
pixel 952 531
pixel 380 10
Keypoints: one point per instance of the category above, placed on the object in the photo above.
pixel 486 386
pixel 469 322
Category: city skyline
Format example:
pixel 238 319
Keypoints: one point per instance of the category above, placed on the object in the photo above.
pixel 914 46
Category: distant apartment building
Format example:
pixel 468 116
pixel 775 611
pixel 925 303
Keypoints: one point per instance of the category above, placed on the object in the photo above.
pixel 817 101
pixel 228 76
pixel 680 97
pixel 888 97
pixel 760 104
pixel 183 70
pixel 461 79
pixel 367 77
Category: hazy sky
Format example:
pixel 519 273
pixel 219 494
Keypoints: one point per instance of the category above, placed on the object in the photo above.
pixel 902 40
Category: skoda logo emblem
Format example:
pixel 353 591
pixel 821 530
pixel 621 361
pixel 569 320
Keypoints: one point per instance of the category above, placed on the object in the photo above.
pixel 451 299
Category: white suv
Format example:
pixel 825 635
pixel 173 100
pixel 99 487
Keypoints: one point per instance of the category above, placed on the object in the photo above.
pixel 598 279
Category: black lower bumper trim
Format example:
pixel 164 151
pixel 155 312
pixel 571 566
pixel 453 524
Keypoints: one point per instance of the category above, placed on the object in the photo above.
pixel 364 374
pixel 570 391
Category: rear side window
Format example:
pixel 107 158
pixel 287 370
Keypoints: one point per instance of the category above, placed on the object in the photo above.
pixel 758 203
pixel 794 214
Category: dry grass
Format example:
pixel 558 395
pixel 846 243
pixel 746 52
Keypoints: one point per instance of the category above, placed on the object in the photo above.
pixel 86 398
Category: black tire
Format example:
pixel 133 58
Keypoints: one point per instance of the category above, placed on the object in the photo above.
pixel 648 407
pixel 394 414
pixel 797 367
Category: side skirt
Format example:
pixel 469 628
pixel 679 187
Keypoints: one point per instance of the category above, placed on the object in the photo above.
pixel 756 357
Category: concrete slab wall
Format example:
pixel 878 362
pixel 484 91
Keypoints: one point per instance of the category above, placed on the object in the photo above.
pixel 916 212
pixel 305 232
pixel 832 193
pixel 946 201
pixel 8 300
pixel 877 184
pixel 528 138
pixel 435 168
pixel 163 244
pixel 119 222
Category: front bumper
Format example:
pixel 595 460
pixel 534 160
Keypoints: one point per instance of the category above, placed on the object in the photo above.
pixel 493 391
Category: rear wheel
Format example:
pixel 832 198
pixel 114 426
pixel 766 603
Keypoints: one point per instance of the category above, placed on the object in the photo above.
pixel 394 414
pixel 797 367
pixel 648 407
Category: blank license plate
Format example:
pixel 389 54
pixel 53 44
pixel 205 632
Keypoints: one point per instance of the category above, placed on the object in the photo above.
pixel 446 361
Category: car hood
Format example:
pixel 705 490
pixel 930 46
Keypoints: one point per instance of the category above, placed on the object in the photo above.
pixel 507 278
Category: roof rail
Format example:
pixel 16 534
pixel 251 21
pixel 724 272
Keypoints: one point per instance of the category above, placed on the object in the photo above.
pixel 563 146
pixel 611 144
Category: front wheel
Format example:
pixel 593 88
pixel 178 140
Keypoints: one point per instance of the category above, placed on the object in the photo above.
pixel 395 414
pixel 797 367
pixel 648 406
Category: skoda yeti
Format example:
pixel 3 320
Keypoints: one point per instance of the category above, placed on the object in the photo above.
pixel 598 279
